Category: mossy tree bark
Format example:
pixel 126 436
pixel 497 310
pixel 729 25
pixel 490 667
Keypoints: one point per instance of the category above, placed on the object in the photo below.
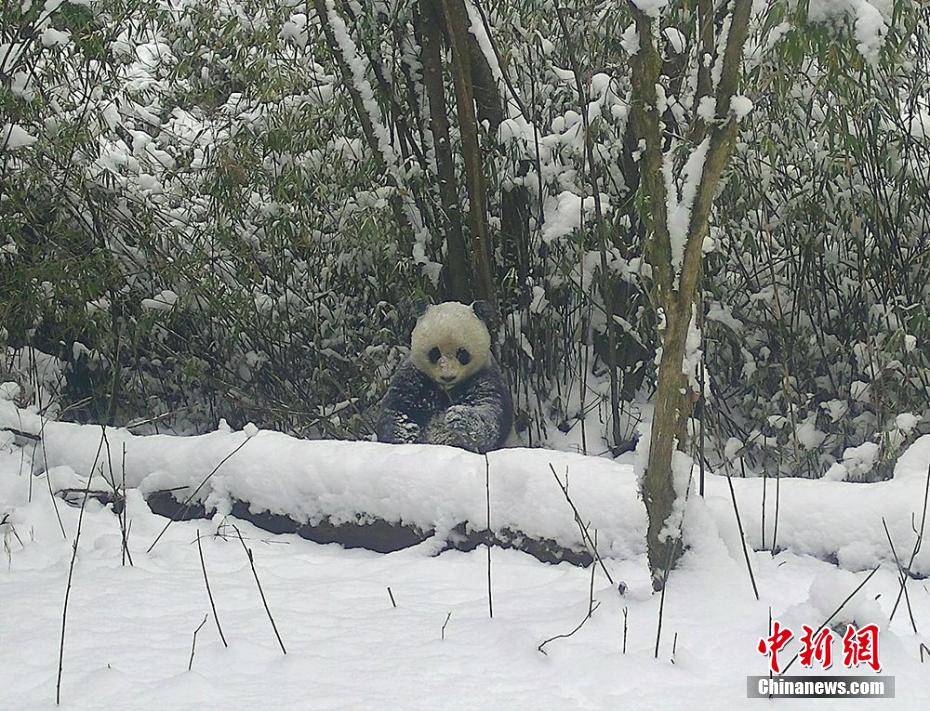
pixel 674 290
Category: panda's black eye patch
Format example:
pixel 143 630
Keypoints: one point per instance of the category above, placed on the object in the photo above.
pixel 463 356
pixel 434 355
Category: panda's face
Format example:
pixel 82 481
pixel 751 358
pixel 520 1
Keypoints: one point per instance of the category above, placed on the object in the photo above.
pixel 450 343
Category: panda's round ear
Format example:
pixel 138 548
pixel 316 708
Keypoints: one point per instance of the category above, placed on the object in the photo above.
pixel 482 310
pixel 419 308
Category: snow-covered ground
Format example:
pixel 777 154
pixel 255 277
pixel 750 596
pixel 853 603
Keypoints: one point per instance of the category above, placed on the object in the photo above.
pixel 129 629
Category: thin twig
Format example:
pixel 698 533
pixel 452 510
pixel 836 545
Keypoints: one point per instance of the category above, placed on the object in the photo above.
pixel 777 509
pixel 206 582
pixel 835 613
pixel 391 595
pixel 187 501
pixel 21 433
pixel 591 586
pixel 64 611
pixel 674 647
pixel 5 521
pixel 190 664
pixel 625 611
pixel 248 553
pixel 742 536
pixel 917 544
pixel 702 401
pixel 124 515
pixel 671 556
pixel 444 625
pixel 569 634
pixel 770 634
pixel 902 578
pixel 48 479
pixel 765 479
pixel 117 497
pixel 487 490
pixel 585 536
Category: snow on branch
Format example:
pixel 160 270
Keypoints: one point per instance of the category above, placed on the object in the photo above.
pixel 354 70
pixel 358 72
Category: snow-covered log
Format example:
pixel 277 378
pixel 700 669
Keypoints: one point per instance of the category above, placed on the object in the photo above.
pixel 385 497
pixel 837 520
pixel 378 496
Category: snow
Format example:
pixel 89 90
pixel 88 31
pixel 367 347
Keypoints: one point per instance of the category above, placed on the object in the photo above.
pixel 680 199
pixel 740 106
pixel 859 390
pixel 870 30
pixel 14 136
pixel 409 484
pixel 566 213
pixel 10 390
pixel 652 8
pixel 906 422
pixel 163 301
pixel 630 39
pixel 694 355
pixel 676 40
pixel 358 68
pixel 435 488
pixel 295 29
pixel 707 108
pixel 723 314
pixel 871 26
pixel 129 628
pixel 250 430
pixel 857 461
pixel 807 434
pixel 52 38
pixel 835 409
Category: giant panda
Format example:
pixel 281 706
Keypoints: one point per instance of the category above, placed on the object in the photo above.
pixel 450 390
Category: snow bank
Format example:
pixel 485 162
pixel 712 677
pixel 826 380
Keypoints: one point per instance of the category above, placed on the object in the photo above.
pixel 436 488
pixel 834 519
pixel 426 486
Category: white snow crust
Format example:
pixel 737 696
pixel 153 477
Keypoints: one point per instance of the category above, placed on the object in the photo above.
pixel 129 630
pixel 435 487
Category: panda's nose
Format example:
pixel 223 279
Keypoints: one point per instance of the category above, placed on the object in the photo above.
pixel 447 378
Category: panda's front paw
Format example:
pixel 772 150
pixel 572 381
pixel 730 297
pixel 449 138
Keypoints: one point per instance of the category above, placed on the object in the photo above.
pixel 437 431
pixel 404 431
pixel 455 427
pixel 462 419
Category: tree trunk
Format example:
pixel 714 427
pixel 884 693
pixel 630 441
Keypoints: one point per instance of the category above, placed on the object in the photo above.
pixel 674 293
pixel 457 270
pixel 457 24
pixel 670 411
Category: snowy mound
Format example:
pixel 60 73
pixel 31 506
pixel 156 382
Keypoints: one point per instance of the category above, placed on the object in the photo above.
pixel 427 487
pixel 441 491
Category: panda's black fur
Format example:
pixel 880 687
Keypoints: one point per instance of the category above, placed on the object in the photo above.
pixel 474 413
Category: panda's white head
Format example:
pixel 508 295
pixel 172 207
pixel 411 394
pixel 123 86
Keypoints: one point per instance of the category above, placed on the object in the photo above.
pixel 451 342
